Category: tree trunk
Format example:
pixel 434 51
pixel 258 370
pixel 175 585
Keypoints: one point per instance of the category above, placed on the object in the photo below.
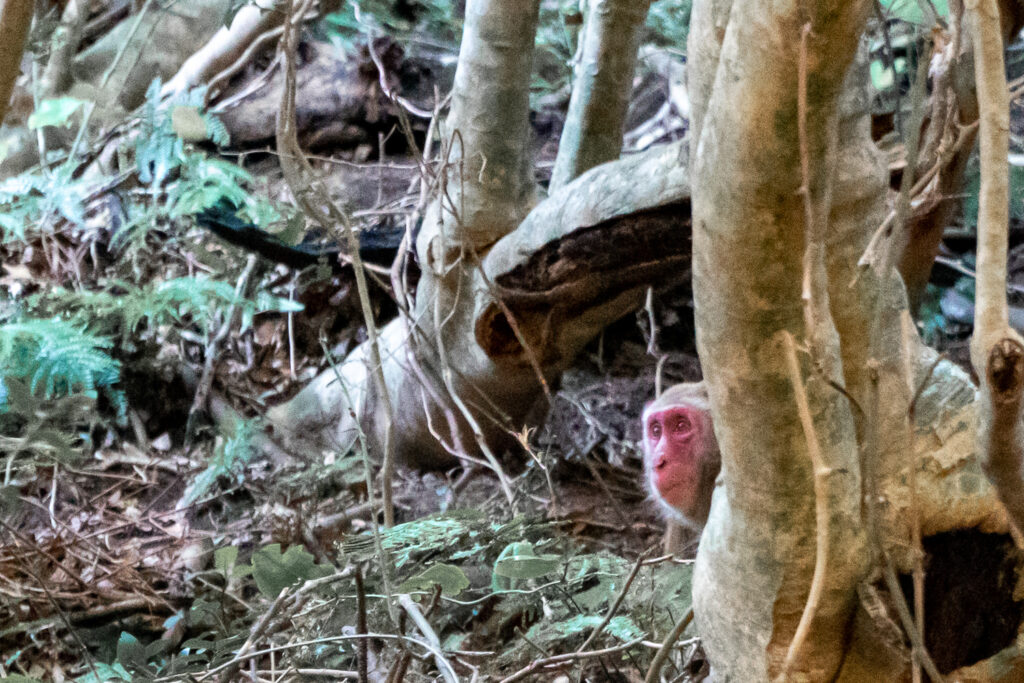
pixel 603 84
pixel 15 20
pixel 755 262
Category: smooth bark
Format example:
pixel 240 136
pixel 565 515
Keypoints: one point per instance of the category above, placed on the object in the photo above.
pixel 601 89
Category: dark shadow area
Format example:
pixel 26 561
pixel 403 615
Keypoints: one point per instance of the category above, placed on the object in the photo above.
pixel 970 610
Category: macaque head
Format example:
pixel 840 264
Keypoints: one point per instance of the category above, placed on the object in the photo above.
pixel 681 458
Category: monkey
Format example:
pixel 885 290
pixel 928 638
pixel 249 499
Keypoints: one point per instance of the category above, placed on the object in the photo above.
pixel 681 457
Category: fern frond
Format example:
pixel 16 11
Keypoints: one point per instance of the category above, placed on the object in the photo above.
pixel 57 357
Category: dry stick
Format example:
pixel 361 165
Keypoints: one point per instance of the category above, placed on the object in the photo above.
pixel 405 301
pixel 405 307
pixel 813 244
pixel 361 644
pixel 821 509
pixel 295 167
pixel 51 598
pixel 272 650
pixel 433 643
pixel 210 360
pixel 885 262
pixel 888 572
pixel 254 634
pixel 917 96
pixel 875 243
pixel 296 597
pixel 386 87
pixel 815 313
pixel 478 435
pixel 539 664
pixel 997 351
pixel 364 454
pixel 666 646
pixel 442 354
pixel 907 330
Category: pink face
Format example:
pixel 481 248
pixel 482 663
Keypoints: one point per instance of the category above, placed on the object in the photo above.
pixel 674 439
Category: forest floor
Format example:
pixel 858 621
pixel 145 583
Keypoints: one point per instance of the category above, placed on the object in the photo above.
pixel 156 552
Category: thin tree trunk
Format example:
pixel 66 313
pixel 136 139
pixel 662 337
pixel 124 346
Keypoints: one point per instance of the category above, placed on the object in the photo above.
pixel 15 20
pixel 603 84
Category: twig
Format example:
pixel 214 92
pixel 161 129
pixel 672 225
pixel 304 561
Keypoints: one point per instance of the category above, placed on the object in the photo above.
pixel 361 645
pixel 210 353
pixel 544 662
pixel 821 510
pixel 917 97
pixel 386 87
pixel 908 335
pixel 872 253
pixel 379 552
pixel 296 597
pixel 872 449
pixel 813 287
pixel 433 643
pixel 618 601
pixel 666 646
pixel 299 175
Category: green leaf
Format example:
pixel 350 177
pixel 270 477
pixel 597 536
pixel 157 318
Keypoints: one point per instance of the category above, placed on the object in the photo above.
pixel 450 578
pixel 54 112
pixel 224 559
pixel 520 561
pixel 131 653
pixel 274 571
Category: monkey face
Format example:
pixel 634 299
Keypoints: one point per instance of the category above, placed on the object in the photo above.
pixel 679 445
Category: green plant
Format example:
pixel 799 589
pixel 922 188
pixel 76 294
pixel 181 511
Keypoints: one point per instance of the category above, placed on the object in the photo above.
pixel 402 20
pixel 121 309
pixel 57 357
pixel 230 456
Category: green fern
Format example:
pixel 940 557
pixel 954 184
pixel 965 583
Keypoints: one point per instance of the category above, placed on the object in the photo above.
pixel 24 200
pixel 57 357
pixel 159 149
pixel 121 310
pixel 205 181
pixel 230 457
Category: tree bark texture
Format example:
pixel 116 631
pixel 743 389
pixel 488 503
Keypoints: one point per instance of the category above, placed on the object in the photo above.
pixel 758 550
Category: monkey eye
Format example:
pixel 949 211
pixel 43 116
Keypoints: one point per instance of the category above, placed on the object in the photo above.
pixel 655 429
pixel 681 424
